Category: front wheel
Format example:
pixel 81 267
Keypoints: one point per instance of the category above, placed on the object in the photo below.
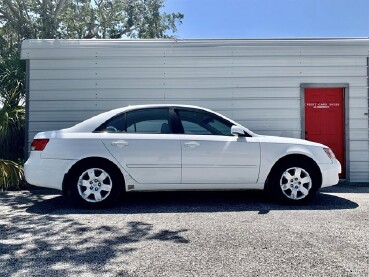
pixel 294 182
pixel 95 185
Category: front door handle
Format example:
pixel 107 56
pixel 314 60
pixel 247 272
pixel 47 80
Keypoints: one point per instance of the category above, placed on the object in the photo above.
pixel 191 144
pixel 119 143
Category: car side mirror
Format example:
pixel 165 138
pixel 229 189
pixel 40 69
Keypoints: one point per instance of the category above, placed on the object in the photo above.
pixel 237 131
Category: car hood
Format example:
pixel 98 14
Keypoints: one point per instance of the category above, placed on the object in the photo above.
pixel 273 139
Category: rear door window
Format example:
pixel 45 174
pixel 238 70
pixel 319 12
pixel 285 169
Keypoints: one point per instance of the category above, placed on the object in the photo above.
pixel 149 121
pixel 152 121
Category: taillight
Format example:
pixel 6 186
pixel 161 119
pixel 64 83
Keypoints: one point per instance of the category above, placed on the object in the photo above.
pixel 39 144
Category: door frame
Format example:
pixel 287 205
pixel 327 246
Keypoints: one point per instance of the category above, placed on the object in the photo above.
pixel 346 88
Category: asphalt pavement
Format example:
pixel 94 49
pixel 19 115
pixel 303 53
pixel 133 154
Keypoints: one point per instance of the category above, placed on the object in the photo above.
pixel 186 234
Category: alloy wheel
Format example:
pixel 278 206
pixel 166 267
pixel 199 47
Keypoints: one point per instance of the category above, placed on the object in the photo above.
pixel 94 185
pixel 295 183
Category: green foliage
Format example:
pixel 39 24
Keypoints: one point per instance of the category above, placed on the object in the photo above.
pixel 12 115
pixel 12 79
pixel 12 130
pixel 11 175
pixel 87 19
pixel 144 20
pixel 12 127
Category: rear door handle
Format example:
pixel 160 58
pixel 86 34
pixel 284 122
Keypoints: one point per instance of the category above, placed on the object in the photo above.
pixel 119 143
pixel 191 144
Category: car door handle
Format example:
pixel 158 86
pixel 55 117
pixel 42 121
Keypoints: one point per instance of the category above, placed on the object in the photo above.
pixel 119 143
pixel 192 144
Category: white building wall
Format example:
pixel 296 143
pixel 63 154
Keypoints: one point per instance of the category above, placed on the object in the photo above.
pixel 255 82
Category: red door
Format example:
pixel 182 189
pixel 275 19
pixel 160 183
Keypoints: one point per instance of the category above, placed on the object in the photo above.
pixel 324 119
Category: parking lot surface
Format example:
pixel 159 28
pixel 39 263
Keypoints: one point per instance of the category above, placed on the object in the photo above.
pixel 186 234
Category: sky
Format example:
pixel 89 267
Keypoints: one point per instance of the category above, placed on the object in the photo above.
pixel 271 18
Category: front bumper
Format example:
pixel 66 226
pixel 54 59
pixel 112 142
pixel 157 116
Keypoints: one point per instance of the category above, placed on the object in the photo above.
pixel 48 173
pixel 330 173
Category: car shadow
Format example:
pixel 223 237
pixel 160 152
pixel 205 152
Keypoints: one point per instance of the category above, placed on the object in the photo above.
pixel 192 202
pixel 351 188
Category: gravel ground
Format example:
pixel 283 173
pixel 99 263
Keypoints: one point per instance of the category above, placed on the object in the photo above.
pixel 186 234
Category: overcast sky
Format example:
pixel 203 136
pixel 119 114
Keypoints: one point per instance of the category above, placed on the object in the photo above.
pixel 271 18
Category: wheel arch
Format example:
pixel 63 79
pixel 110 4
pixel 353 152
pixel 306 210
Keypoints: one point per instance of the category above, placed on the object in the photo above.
pixel 88 160
pixel 294 157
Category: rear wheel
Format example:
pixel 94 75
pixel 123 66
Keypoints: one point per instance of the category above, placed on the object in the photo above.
pixel 95 185
pixel 293 182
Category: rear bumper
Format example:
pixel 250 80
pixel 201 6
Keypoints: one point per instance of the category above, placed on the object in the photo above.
pixel 330 173
pixel 48 173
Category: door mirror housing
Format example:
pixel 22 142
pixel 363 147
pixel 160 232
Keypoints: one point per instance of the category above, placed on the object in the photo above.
pixel 237 131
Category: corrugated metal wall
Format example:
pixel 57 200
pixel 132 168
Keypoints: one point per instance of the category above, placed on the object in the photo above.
pixel 255 82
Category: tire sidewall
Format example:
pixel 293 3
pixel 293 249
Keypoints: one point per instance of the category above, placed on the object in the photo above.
pixel 116 180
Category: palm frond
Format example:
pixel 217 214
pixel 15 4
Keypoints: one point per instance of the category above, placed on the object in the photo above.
pixel 11 115
pixel 12 125
pixel 11 174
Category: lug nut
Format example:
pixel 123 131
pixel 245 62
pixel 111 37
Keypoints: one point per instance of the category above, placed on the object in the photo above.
pixel 91 182
pixel 96 189
pixel 91 187
pixel 99 184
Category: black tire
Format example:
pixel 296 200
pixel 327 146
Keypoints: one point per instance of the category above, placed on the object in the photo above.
pixel 294 189
pixel 97 186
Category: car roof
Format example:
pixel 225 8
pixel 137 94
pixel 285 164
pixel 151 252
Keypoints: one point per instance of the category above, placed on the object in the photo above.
pixel 89 125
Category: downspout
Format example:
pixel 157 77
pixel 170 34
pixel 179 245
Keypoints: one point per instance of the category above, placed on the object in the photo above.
pixel 26 135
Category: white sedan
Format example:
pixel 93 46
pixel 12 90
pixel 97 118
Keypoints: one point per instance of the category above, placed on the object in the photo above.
pixel 174 147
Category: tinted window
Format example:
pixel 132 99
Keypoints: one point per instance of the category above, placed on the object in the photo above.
pixel 116 124
pixel 203 123
pixel 153 121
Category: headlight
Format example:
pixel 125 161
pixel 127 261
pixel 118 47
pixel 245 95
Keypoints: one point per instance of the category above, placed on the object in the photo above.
pixel 329 153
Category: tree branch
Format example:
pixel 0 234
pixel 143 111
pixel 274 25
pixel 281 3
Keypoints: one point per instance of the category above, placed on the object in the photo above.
pixel 5 14
pixel 20 9
pixel 59 7
pixel 25 7
pixel 12 9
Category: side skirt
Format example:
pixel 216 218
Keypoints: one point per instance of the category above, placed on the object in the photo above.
pixel 172 187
